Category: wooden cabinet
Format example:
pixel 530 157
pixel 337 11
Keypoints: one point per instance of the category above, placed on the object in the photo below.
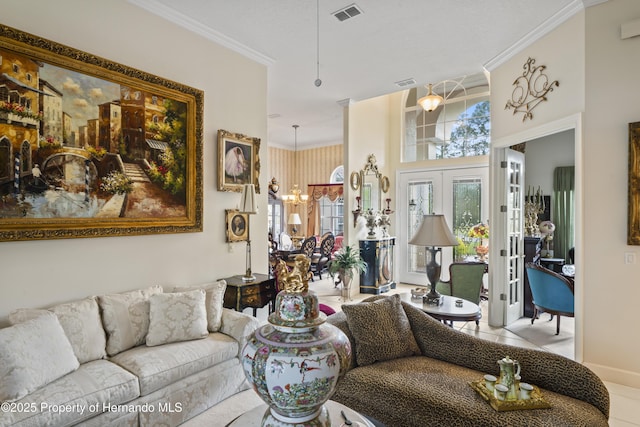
pixel 532 248
pixel 378 254
pixel 257 294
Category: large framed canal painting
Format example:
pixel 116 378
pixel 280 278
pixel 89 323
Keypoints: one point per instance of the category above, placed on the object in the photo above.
pixel 93 148
pixel 633 189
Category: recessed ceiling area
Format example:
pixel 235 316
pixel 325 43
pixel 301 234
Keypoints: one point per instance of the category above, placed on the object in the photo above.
pixel 364 56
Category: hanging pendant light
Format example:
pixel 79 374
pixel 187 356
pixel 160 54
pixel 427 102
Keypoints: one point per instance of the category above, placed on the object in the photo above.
pixel 317 82
pixel 431 101
pixel 295 197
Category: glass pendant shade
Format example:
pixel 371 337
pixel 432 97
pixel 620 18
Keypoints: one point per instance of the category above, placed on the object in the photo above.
pixel 431 101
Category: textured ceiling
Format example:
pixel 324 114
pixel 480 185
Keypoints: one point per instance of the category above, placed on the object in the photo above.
pixel 360 58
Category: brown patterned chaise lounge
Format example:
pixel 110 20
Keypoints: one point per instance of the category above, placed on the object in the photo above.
pixel 432 388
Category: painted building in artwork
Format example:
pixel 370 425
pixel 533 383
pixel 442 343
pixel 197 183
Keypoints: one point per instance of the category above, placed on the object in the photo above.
pixel 19 114
pixel 110 126
pixel 51 105
pixel 133 133
pixel 68 137
pixel 82 135
pixel 93 132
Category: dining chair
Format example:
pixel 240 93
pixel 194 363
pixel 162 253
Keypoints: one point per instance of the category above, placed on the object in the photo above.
pixel 285 241
pixel 307 249
pixel 308 246
pixel 320 258
pixel 465 281
pixel 551 292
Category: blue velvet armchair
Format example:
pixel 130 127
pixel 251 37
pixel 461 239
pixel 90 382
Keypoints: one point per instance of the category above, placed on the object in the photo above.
pixel 552 293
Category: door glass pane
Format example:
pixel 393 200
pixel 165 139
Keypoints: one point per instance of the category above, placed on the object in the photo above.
pixel 514 230
pixel 466 213
pixel 420 196
pixel 274 215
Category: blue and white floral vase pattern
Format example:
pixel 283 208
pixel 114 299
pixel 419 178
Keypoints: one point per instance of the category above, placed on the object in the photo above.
pixel 295 361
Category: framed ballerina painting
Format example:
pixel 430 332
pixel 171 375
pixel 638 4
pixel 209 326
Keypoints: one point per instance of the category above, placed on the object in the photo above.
pixel 239 162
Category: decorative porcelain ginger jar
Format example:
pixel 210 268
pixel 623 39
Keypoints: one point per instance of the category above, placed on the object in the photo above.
pixel 294 362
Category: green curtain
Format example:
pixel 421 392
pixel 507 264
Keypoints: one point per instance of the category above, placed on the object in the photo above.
pixel 563 210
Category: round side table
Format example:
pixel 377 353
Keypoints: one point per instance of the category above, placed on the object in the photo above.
pixel 447 310
pixel 253 418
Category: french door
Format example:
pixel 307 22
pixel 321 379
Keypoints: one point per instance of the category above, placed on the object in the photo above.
pixel 460 194
pixel 514 183
pixel 506 303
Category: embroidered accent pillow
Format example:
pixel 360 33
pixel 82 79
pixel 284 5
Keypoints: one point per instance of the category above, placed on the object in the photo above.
pixel 381 330
pixel 33 354
pixel 81 323
pixel 180 316
pixel 214 301
pixel 125 318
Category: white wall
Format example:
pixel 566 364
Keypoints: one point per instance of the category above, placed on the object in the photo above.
pixel 612 91
pixel 543 155
pixel 562 52
pixel 598 93
pixel 598 82
pixel 41 273
pixel 368 133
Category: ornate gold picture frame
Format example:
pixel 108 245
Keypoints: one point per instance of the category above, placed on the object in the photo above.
pixel 238 161
pixel 93 148
pixel 237 225
pixel 633 224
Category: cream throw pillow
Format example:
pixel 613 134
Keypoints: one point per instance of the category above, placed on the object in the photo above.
pixel 214 301
pixel 33 354
pixel 125 318
pixel 381 330
pixel 81 323
pixel 180 316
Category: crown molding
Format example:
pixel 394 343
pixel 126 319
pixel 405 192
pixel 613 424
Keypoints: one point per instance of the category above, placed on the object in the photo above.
pixel 345 102
pixel 543 29
pixel 202 30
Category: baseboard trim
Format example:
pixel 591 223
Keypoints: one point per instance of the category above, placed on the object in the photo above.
pixel 615 375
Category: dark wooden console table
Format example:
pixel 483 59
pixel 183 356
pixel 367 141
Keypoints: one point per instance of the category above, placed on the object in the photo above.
pixel 257 294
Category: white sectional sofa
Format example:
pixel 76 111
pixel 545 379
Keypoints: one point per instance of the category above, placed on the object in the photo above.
pixel 140 358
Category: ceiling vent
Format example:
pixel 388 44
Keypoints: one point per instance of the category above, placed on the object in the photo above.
pixel 347 12
pixel 406 82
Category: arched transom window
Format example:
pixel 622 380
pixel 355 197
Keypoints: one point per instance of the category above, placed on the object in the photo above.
pixel 459 127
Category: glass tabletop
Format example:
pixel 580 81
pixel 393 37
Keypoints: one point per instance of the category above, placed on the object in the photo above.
pixel 447 306
pixel 254 417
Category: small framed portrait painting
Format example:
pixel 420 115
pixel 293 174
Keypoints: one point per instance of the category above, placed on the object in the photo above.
pixel 237 225
pixel 238 161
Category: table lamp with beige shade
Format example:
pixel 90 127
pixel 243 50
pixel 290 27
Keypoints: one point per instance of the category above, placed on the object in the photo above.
pixel 433 234
pixel 294 221
pixel 249 206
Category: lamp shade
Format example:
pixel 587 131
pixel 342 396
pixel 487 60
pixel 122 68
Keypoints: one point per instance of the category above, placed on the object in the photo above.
pixel 434 231
pixel 248 199
pixel 294 219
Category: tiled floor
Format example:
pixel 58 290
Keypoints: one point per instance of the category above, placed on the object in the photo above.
pixel 624 400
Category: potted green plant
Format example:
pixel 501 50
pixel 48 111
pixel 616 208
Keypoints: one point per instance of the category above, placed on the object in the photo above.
pixel 346 263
